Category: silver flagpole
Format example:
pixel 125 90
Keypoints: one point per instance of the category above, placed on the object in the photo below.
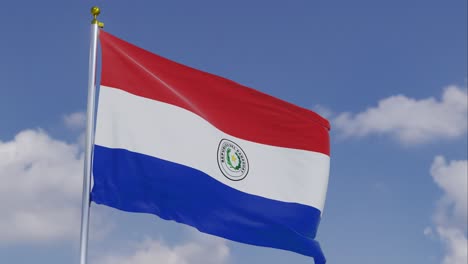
pixel 95 24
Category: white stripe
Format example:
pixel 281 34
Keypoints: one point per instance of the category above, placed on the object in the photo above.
pixel 172 133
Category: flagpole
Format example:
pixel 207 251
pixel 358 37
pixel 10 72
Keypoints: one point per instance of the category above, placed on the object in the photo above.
pixel 89 141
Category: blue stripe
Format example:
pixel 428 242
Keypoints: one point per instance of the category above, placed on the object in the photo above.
pixel 135 182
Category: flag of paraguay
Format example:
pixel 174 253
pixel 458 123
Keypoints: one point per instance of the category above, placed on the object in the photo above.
pixel 202 150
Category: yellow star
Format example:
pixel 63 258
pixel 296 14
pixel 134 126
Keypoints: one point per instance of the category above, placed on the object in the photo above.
pixel 233 157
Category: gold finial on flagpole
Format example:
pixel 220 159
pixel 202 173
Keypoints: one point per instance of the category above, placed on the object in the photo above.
pixel 95 11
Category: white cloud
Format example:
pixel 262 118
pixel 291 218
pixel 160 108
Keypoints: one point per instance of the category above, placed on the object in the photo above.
pixel 450 216
pixel 323 111
pixel 203 250
pixel 411 120
pixel 428 232
pixel 75 120
pixel 40 188
pixel 456 245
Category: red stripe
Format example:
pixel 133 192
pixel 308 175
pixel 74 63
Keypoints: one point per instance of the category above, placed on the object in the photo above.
pixel 235 109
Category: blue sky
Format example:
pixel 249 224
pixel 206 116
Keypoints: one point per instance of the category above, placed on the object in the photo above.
pixel 391 76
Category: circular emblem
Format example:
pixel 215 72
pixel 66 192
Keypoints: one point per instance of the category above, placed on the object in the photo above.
pixel 232 160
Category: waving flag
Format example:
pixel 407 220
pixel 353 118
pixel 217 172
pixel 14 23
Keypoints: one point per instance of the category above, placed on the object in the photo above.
pixel 202 150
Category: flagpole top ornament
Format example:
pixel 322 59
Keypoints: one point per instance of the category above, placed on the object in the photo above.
pixel 95 11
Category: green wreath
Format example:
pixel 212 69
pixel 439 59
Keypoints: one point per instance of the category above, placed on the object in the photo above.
pixel 229 160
